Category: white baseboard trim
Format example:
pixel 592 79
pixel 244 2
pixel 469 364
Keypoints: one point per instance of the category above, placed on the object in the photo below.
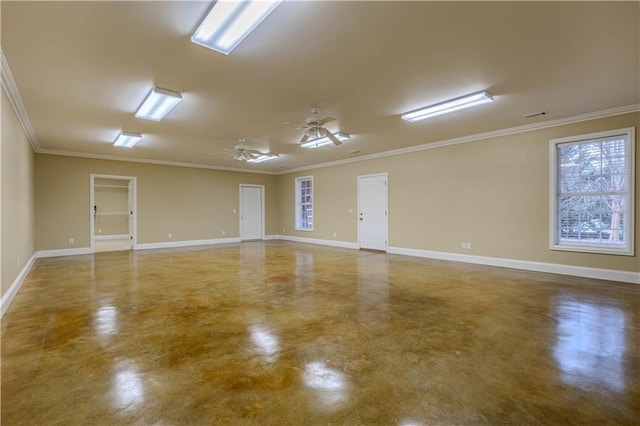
pixel 7 298
pixel 64 252
pixel 332 243
pixel 271 237
pixel 186 243
pixel 553 268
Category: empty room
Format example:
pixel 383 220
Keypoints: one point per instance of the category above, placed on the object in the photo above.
pixel 320 213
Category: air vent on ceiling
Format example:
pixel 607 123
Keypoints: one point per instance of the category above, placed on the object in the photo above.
pixel 535 114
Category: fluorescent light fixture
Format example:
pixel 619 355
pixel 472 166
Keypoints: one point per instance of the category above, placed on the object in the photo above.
pixel 456 104
pixel 127 139
pixel 158 103
pixel 261 158
pixel 316 143
pixel 230 21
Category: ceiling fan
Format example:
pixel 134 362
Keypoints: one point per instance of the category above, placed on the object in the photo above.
pixel 314 128
pixel 242 152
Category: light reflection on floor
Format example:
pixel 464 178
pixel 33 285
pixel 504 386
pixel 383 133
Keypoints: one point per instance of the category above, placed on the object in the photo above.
pixel 591 344
pixel 266 343
pixel 128 389
pixel 330 385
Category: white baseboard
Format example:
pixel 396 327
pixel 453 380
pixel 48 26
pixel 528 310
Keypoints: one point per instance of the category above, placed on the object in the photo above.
pixel 553 268
pixel 186 243
pixel 332 243
pixel 271 237
pixel 7 298
pixel 64 252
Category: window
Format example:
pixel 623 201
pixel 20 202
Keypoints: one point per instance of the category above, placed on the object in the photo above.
pixel 304 203
pixel 592 196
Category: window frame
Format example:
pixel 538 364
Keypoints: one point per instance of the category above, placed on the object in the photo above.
pixel 298 200
pixel 629 213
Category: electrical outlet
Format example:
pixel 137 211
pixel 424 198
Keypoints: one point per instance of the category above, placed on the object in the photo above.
pixel 170 235
pixel 224 232
pixel 463 245
pixel 72 241
pixel 99 230
pixel 468 246
pixel 334 235
pixel 283 231
pixel 350 211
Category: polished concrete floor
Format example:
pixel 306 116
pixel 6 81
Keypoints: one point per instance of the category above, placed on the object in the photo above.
pixel 277 333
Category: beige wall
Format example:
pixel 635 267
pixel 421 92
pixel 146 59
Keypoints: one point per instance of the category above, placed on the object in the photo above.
pixel 17 196
pixel 493 193
pixel 192 204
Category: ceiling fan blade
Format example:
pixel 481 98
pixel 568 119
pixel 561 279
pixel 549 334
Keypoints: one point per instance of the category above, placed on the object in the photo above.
pixel 326 120
pixel 304 138
pixel 333 138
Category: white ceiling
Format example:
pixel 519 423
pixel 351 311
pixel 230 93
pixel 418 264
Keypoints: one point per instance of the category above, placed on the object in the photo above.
pixel 83 68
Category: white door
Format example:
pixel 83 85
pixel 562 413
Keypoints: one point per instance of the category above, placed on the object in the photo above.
pixel 372 212
pixel 251 212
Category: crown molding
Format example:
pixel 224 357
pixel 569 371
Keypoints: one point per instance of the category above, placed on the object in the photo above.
pixel 10 88
pixel 477 137
pixel 147 161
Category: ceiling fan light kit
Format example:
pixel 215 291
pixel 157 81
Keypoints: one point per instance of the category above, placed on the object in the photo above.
pixel 446 107
pixel 158 103
pixel 325 140
pixel 127 139
pixel 262 158
pixel 228 22
pixel 242 152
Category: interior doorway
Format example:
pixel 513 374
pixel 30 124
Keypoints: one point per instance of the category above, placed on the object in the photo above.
pixel 373 212
pixel 113 212
pixel 251 212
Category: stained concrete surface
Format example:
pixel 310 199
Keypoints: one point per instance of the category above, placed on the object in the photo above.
pixel 278 333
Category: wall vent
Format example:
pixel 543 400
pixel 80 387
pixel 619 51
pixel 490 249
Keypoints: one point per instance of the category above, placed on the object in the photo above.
pixel 535 114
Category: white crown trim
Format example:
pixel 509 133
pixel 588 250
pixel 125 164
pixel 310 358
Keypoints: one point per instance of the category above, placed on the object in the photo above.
pixel 10 88
pixel 477 137
pixel 146 161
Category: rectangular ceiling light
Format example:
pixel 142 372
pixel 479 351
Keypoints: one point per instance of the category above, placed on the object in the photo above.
pixel 158 103
pixel 446 107
pixel 316 143
pixel 127 139
pixel 261 158
pixel 230 21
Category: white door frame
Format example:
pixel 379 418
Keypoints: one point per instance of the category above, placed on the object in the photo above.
pixel 261 187
pixel 134 207
pixel 386 207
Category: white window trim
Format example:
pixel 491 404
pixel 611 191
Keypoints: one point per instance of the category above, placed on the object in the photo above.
pixel 297 201
pixel 554 244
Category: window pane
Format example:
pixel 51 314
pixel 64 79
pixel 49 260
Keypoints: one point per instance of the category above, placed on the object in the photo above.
pixel 592 194
pixel 304 203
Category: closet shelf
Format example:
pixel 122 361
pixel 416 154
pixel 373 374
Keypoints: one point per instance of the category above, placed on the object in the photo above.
pixel 99 185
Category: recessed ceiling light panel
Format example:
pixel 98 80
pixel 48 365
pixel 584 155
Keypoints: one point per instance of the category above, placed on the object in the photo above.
pixel 230 21
pixel 158 103
pixel 127 139
pixel 446 107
